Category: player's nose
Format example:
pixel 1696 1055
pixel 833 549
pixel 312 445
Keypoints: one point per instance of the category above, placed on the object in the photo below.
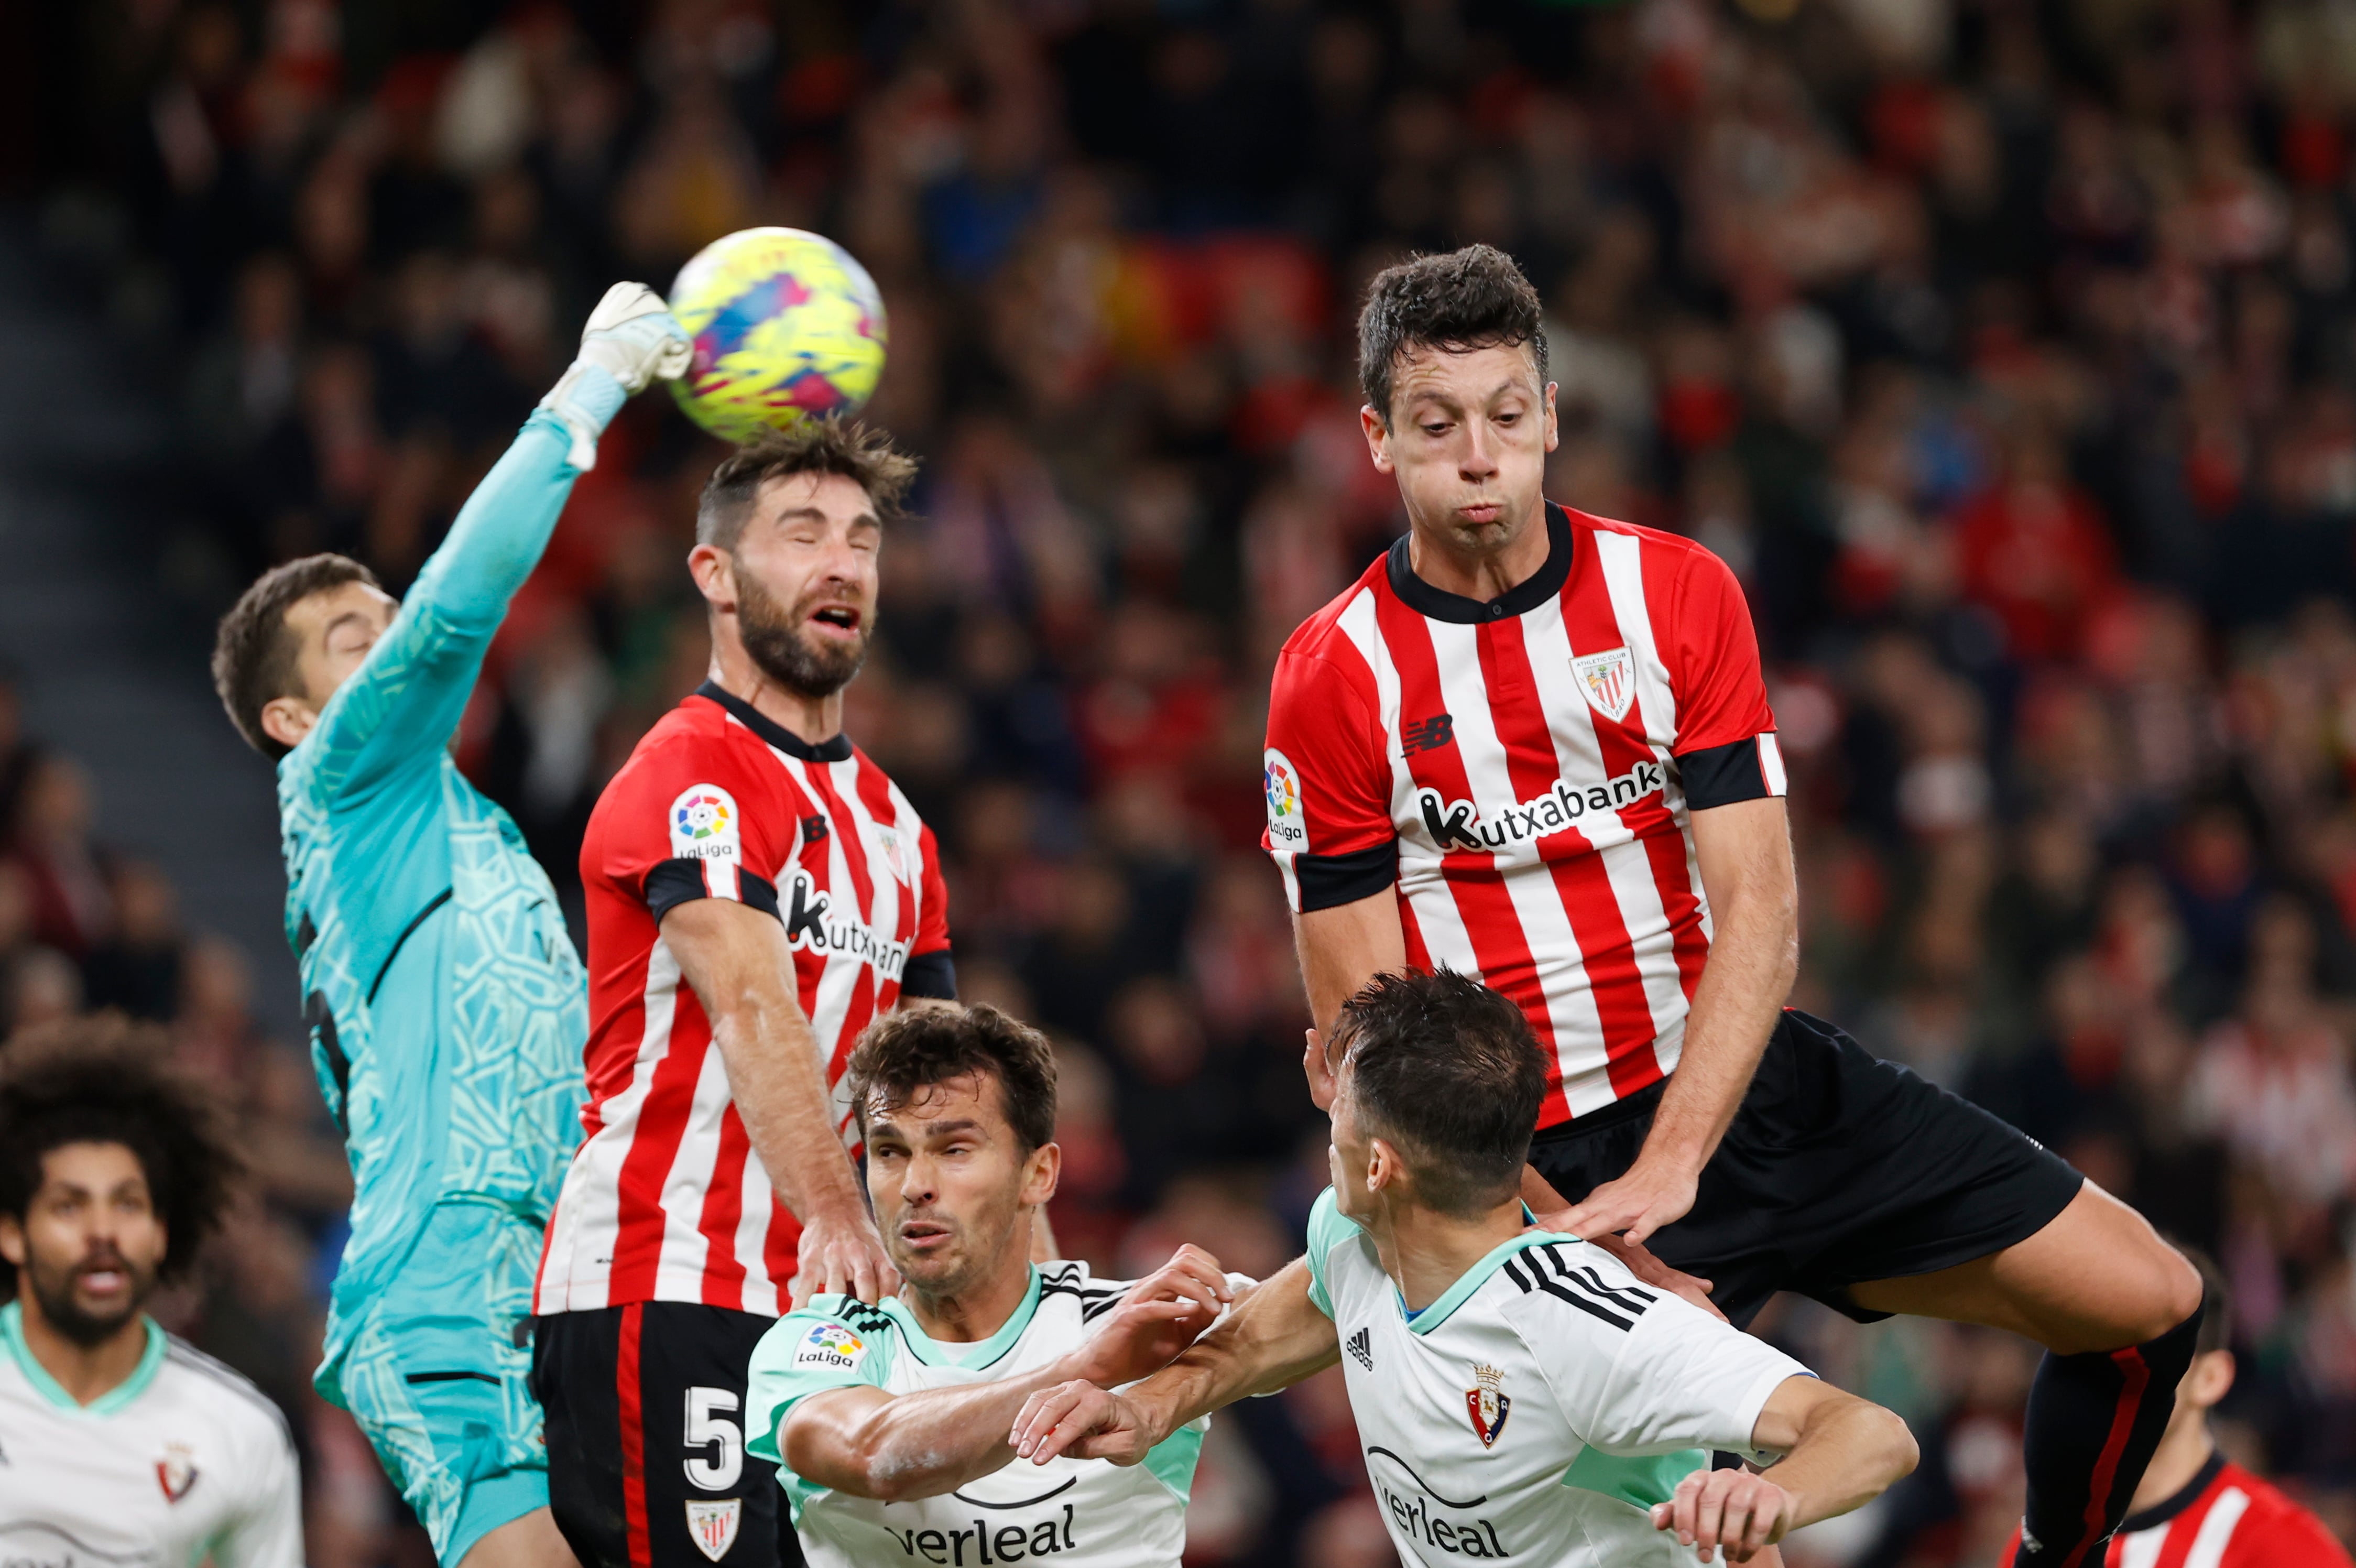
pixel 1479 462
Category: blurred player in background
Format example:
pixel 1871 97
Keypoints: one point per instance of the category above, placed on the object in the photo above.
pixel 1518 1394
pixel 1535 745
pixel 118 1442
pixel 891 1421
pixel 2196 1508
pixel 759 893
pixel 445 1003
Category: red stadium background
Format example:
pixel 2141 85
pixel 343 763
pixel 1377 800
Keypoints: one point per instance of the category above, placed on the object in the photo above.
pixel 2003 347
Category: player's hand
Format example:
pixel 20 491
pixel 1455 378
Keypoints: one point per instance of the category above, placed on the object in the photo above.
pixel 1734 1510
pixel 843 1254
pixel 633 337
pixel 1161 1315
pixel 1082 1419
pixel 1649 1197
pixel 1322 1072
pixel 1542 1200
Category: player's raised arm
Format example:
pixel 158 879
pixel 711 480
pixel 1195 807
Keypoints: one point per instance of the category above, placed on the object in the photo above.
pixel 1839 1453
pixel 736 958
pixel 1276 1336
pixel 405 697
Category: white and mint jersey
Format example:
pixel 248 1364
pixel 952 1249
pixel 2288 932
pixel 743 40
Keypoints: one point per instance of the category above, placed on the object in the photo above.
pixel 1536 1411
pixel 182 1461
pixel 1074 1513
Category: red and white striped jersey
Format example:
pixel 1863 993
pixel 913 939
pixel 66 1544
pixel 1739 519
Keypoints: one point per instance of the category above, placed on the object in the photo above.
pixel 2225 1518
pixel 1522 770
pixel 665 1199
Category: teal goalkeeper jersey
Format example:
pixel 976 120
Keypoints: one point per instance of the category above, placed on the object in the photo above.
pixel 446 1007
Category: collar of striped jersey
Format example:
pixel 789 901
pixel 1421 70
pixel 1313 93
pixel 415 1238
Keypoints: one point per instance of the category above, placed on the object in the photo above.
pixel 1524 597
pixel 151 1360
pixel 771 732
pixel 970 1356
pixel 2160 1512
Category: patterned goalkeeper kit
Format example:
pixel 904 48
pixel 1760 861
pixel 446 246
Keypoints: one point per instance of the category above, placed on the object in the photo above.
pixel 448 1012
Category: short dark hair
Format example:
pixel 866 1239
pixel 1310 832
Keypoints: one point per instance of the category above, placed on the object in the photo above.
pixel 919 1046
pixel 811 446
pixel 1447 1071
pixel 2216 1330
pixel 254 654
pixel 1472 298
pixel 104 1080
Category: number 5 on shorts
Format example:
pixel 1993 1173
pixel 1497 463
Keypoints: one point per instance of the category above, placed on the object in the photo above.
pixel 708 1425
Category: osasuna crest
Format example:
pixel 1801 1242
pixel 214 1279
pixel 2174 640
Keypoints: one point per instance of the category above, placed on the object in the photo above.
pixel 1488 1404
pixel 1609 680
pixel 176 1472
pixel 713 1525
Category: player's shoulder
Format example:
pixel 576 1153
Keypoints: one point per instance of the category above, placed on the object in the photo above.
pixel 1069 1285
pixel 827 1334
pixel 228 1398
pixel 1562 1280
pixel 695 743
pixel 1674 551
pixel 1323 636
pixel 2275 1526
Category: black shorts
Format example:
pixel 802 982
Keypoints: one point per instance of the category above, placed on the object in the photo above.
pixel 646 1466
pixel 1838 1168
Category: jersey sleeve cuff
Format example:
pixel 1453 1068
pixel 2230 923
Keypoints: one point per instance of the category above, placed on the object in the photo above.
pixel 1746 1410
pixel 930 975
pixel 1747 769
pixel 675 882
pixel 1327 881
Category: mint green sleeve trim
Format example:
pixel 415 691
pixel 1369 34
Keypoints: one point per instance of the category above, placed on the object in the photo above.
pixel 1327 1231
pixel 808 1352
pixel 1172 1460
pixel 403 703
pixel 1638 1482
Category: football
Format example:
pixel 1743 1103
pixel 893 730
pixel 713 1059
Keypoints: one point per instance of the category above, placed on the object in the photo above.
pixel 787 326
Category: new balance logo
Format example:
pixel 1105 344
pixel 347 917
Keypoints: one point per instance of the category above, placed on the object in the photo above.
pixel 1362 1350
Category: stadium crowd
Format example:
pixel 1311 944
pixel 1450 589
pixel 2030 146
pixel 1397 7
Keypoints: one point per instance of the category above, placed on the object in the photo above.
pixel 2004 351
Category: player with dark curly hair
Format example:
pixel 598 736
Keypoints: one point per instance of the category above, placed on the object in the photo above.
pixel 118 1442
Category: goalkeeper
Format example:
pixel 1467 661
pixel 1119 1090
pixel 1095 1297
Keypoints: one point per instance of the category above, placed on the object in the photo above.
pixel 446 1008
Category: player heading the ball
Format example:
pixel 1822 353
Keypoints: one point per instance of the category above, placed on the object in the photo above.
pixel 1520 1397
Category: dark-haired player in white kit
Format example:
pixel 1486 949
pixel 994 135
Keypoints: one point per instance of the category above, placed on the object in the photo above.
pixel 1535 744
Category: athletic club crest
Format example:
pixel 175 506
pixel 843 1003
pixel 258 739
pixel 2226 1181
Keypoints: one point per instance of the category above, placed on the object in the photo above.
pixel 176 1472
pixel 712 1525
pixel 1488 1404
pixel 1609 680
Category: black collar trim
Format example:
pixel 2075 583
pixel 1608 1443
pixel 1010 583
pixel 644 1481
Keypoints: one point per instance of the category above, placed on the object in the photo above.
pixel 2161 1512
pixel 1520 599
pixel 772 732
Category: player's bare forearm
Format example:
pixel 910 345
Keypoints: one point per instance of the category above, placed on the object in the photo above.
pixel 1342 948
pixel 1272 1338
pixel 1839 1452
pixel 895 1448
pixel 736 959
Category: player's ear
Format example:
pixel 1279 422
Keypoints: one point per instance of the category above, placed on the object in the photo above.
pixel 715 571
pixel 1041 1169
pixel 12 1241
pixel 1379 437
pixel 287 720
pixel 1384 1168
pixel 1553 427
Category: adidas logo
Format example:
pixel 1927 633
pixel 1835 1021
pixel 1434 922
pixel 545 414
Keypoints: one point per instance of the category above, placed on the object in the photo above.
pixel 1362 1350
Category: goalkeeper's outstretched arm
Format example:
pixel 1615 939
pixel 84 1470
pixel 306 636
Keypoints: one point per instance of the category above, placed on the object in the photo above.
pixel 1274 1338
pixel 405 699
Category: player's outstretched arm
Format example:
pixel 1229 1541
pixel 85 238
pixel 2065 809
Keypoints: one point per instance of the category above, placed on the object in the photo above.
pixel 1340 948
pixel 894 1447
pixel 1839 1453
pixel 406 698
pixel 1275 1337
pixel 1744 854
pixel 736 959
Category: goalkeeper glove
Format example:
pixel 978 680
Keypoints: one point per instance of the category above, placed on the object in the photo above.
pixel 631 338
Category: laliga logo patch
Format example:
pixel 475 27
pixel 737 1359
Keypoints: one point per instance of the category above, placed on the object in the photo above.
pixel 704 824
pixel 1488 1402
pixel 1608 681
pixel 713 1525
pixel 176 1472
pixel 1288 823
pixel 831 1346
